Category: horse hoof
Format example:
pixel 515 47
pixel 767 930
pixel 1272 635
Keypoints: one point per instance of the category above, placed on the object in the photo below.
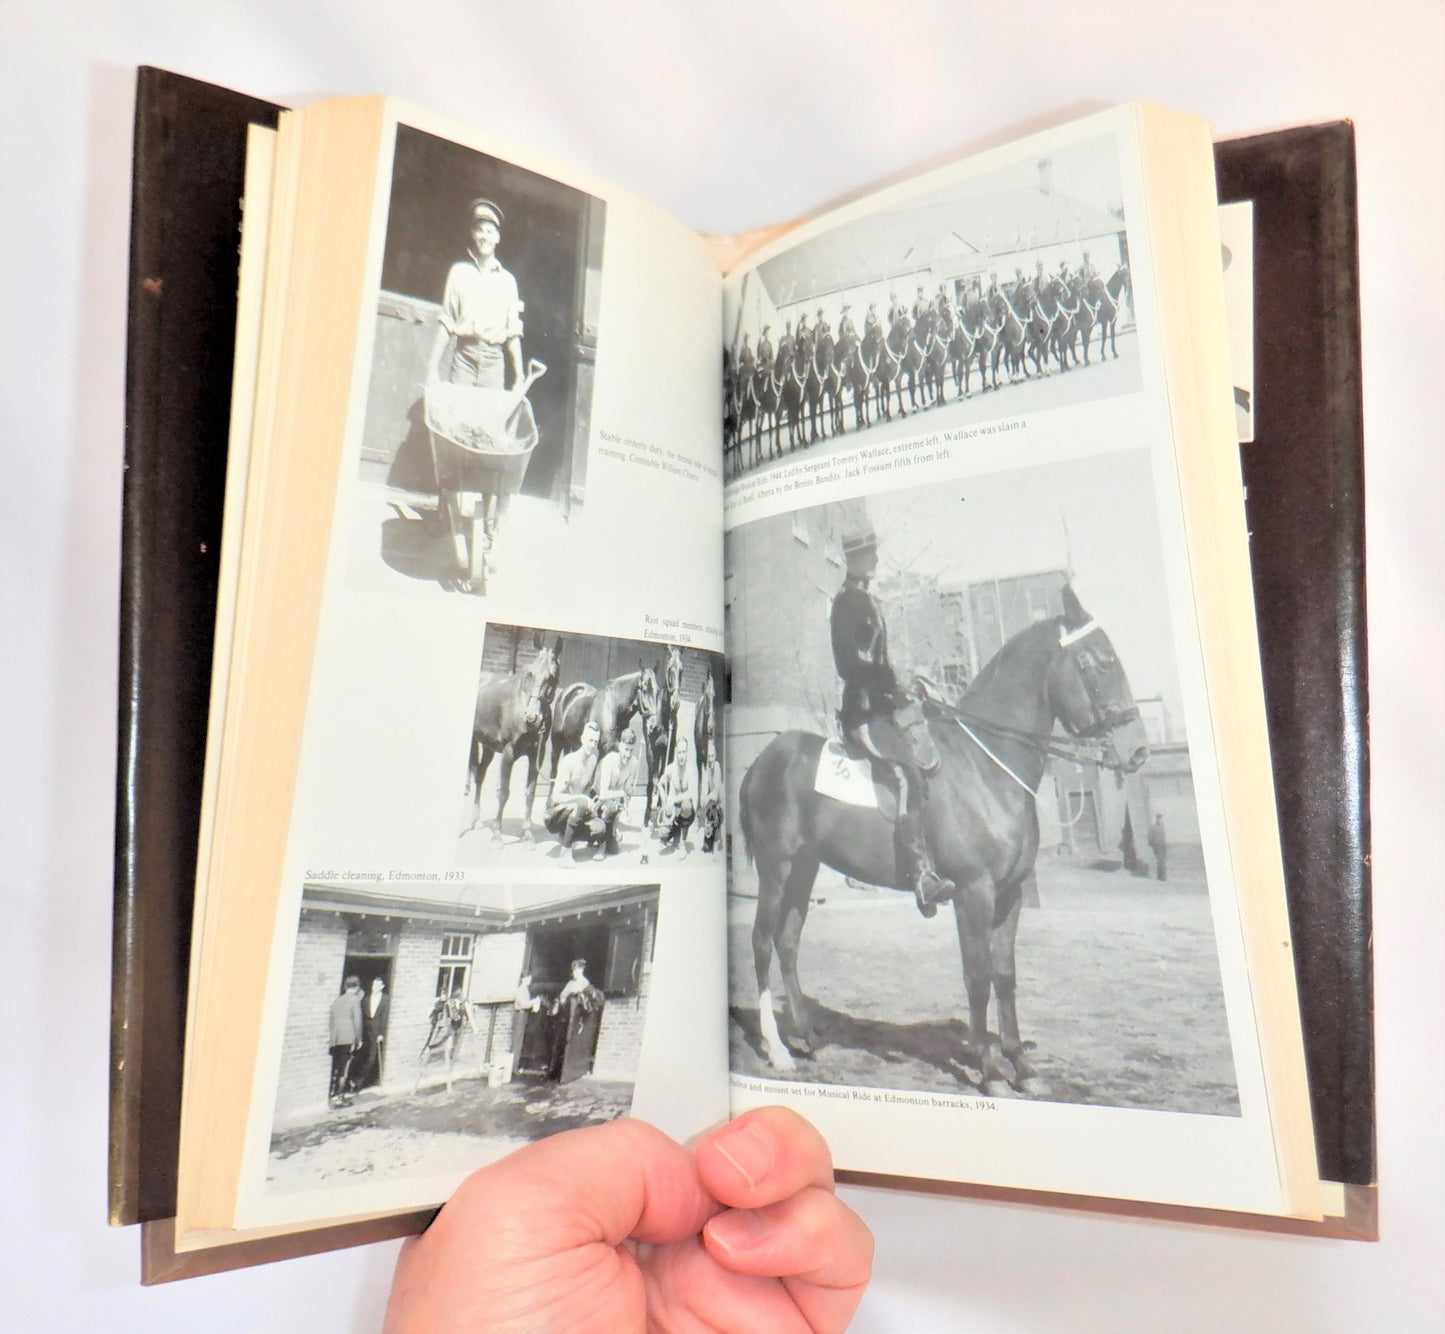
pixel 528 836
pixel 997 1088
pixel 780 1058
pixel 1032 1087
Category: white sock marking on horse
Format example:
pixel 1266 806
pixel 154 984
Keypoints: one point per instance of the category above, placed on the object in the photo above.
pixel 779 1057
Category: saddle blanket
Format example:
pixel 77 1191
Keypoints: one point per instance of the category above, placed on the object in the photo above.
pixel 845 779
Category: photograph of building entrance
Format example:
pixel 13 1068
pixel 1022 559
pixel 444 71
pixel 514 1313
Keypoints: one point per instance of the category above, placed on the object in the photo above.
pixel 436 1024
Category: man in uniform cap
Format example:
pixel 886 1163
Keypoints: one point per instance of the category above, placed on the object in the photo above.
pixel 872 701
pixel 765 348
pixel 481 318
pixel 785 343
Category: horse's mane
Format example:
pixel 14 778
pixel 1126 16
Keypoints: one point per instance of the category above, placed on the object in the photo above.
pixel 1011 648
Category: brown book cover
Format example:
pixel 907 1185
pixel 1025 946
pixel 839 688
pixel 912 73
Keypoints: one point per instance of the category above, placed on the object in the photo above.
pixel 1304 473
pixel 189 163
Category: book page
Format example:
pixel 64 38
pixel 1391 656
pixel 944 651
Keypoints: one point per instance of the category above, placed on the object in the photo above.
pixel 957 547
pixel 502 907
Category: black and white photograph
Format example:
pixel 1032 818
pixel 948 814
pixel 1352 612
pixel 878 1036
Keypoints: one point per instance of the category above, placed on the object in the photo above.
pixel 436 1024
pixel 478 408
pixel 966 851
pixel 589 750
pixel 1002 294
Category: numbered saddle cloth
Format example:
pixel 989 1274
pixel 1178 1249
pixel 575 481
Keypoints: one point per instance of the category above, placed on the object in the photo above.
pixel 845 779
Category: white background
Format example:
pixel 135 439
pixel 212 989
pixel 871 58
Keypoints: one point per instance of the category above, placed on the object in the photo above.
pixel 730 116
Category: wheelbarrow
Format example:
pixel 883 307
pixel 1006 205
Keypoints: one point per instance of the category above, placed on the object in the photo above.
pixel 481 443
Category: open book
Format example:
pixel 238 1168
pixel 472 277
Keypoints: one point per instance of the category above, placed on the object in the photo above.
pixel 875 727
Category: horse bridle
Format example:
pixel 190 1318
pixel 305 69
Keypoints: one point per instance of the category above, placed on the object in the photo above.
pixel 544 686
pixel 1088 745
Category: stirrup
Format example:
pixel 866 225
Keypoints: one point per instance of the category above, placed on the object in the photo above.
pixel 929 890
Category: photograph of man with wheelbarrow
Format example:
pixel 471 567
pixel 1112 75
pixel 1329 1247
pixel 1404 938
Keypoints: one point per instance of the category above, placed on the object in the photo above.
pixel 480 257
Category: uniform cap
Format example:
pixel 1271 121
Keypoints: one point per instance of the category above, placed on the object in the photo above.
pixel 485 209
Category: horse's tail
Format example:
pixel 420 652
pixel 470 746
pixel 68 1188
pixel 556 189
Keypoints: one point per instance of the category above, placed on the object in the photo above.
pixel 745 821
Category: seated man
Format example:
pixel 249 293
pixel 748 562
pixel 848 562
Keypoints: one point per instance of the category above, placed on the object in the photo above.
pixel 710 799
pixel 677 799
pixel 570 805
pixel 871 710
pixel 613 790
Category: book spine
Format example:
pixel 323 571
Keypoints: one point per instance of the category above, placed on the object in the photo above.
pixel 127 963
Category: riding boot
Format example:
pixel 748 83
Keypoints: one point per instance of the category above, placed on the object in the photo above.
pixel 929 888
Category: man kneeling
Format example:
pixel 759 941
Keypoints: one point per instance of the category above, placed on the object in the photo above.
pixel 570 806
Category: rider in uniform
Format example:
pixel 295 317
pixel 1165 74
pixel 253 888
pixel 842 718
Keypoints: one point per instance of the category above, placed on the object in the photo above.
pixel 846 330
pixel 872 699
pixel 785 343
pixel 765 348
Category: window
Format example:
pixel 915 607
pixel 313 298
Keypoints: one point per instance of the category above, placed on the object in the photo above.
pixel 456 964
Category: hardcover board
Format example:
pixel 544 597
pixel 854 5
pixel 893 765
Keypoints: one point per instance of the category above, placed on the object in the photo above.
pixel 1304 475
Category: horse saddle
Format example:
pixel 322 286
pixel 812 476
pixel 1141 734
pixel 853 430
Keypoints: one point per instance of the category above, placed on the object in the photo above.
pixel 851 781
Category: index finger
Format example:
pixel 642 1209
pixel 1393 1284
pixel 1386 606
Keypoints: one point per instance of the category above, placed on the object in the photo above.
pixel 763 1156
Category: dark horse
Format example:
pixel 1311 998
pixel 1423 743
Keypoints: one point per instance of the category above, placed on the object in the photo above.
pixel 980 816
pixel 612 708
pixel 1108 297
pixel 512 719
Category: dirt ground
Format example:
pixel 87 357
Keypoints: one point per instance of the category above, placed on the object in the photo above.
pixel 382 1137
pixel 1119 994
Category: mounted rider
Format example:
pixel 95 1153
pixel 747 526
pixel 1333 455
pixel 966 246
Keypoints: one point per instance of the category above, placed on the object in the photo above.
pixel 765 348
pixel 785 344
pixel 877 717
pixel 847 332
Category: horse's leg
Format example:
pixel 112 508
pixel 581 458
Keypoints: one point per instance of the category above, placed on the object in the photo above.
pixel 484 759
pixel 531 757
pixel 797 890
pixel 771 879
pixel 973 913
pixel 504 786
pixel 1005 986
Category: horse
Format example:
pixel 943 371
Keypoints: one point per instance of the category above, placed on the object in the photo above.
pixel 1011 339
pixel 612 708
pixel 512 719
pixel 979 814
pixel 984 337
pixel 766 384
pixel 960 353
pixel 1060 315
pixel 1108 297
pixel 935 364
pixel 828 355
pixel 854 376
pixel 794 392
pixel 660 729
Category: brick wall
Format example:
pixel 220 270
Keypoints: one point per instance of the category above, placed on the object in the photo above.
pixel 316 977
pixel 619 1039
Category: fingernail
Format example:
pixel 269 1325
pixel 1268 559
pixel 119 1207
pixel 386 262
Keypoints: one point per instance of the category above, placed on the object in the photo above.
pixel 737 1230
pixel 750 1153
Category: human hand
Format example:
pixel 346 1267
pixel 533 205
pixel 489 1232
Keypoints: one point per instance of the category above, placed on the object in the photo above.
pixel 615 1229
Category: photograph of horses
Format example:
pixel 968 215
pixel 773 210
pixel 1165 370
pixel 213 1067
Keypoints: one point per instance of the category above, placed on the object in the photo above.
pixel 479 402
pixel 1002 294
pixel 1022 620
pixel 433 1026
pixel 587 749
